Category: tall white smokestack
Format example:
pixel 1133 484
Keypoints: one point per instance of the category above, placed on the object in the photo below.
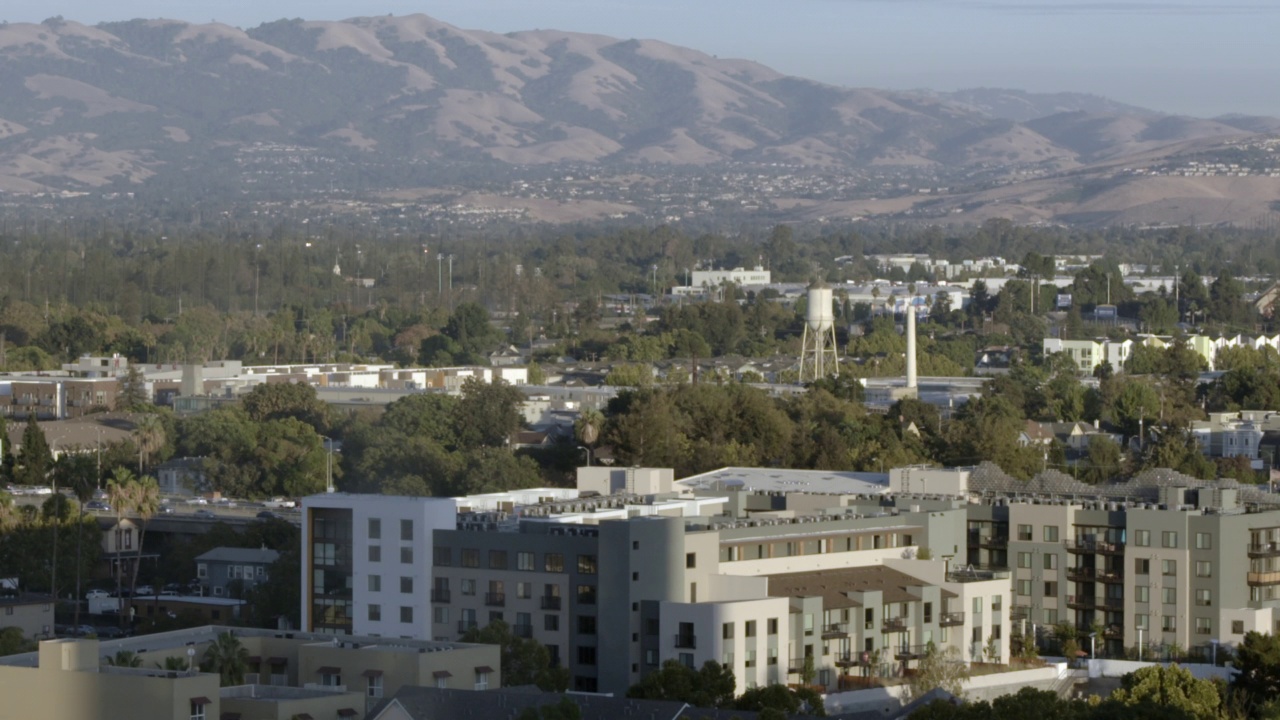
pixel 911 346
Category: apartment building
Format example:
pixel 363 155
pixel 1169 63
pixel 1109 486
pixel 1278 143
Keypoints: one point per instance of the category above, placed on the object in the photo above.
pixel 1163 560
pixel 1091 354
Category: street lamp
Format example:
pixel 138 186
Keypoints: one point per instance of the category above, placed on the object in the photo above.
pixel 439 275
pixel 587 450
pixel 191 659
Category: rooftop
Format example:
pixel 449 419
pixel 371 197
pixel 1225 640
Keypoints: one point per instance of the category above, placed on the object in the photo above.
pixel 836 586
pixel 778 480
pixel 240 555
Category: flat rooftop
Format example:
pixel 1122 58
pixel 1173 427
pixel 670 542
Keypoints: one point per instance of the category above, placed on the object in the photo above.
pixel 833 482
pixel 835 585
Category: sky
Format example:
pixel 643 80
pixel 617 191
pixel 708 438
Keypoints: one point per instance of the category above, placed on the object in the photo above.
pixel 1194 57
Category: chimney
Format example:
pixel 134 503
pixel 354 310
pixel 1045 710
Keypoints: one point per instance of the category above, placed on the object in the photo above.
pixel 911 345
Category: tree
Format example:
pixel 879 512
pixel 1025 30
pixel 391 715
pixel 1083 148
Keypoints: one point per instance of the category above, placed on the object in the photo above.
pixel 525 661
pixel 711 686
pixel 35 459
pixel 276 401
pixel 120 497
pixel 227 657
pixel 1258 660
pixel 788 701
pixel 565 709
pixel 943 668
pixel 80 473
pixel 145 501
pixel 488 413
pixel 12 642
pixel 149 436
pixel 132 396
pixel 124 658
pixel 1172 688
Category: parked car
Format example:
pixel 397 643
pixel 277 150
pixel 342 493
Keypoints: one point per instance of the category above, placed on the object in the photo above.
pixel 205 514
pixel 144 590
pixel 111 632
pixel 197 501
pixel 40 490
pixel 268 515
pixel 97 505
pixel 166 510
pixel 95 594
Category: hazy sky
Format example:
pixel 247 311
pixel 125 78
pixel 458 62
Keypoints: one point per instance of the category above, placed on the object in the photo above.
pixel 1190 56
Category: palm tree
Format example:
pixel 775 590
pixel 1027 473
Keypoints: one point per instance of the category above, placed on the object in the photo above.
pixel 124 658
pixel 588 426
pixel 120 496
pixel 145 501
pixel 175 663
pixel 80 473
pixel 227 657
pixel 149 435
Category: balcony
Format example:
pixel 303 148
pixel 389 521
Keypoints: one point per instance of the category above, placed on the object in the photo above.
pixel 951 619
pixel 836 630
pixel 846 660
pixel 911 652
pixel 1267 549
pixel 1090 602
pixel 897 624
pixel 1263 578
pixel 1114 632
pixel 550 602
pixel 796 665
pixel 495 599
pixel 522 631
pixel 465 625
pixel 687 642
pixel 439 595
pixel 1088 574
pixel 1094 546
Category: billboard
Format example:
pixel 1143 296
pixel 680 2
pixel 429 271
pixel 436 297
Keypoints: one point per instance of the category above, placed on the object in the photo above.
pixel 1064 301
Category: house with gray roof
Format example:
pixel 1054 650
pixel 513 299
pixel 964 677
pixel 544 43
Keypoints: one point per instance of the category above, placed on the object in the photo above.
pixel 230 571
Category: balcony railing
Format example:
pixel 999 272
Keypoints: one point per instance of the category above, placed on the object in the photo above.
pixel 1263 578
pixel 849 659
pixel 951 619
pixel 1091 602
pixel 1088 574
pixel 441 596
pixel 1113 631
pixel 796 665
pixel 1266 549
pixel 1095 546
pixel 911 652
pixel 495 599
pixel 897 624
pixel 687 642
pixel 835 630
pixel 550 602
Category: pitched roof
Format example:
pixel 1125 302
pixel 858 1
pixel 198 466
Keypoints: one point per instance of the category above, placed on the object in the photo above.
pixel 240 555
pixel 834 586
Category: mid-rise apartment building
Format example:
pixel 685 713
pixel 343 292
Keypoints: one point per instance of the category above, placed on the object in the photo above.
pixel 1163 560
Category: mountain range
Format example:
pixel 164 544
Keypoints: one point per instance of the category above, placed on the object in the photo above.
pixel 382 104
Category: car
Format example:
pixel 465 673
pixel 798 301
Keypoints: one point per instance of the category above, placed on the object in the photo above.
pixel 166 510
pixel 205 514
pixel 111 632
pixel 97 505
pixel 268 515
pixel 197 501
pixel 95 594
pixel 40 490
pixel 168 593
pixel 144 590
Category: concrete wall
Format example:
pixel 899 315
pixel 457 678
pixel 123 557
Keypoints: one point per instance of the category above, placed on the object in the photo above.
pixel 1118 668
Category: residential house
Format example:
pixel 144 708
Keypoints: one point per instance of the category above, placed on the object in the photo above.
pixel 232 571
pixel 29 612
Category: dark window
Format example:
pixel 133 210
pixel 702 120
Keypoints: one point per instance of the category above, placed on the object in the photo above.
pixel 586 655
pixel 554 562
pixel 406 530
pixel 587 624
pixel 470 557
pixel 443 556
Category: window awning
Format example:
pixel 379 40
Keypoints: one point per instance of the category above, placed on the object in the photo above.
pixel 347 712
pixel 371 673
pixel 278 661
pixel 201 701
pixel 441 674
pixel 483 670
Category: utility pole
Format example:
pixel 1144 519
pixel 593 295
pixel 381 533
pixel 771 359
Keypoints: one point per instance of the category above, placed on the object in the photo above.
pixel 439 276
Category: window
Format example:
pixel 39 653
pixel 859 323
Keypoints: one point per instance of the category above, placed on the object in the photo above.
pixel 586 655
pixel 587 594
pixel 1051 588
pixel 749 628
pixel 1204 569
pixel 1169 623
pixel 1024 587
pixel 375 583
pixel 375 613
pixel 330 679
pixel 1024 533
pixel 553 562
pixel 482 678
pixel 497 559
pixel 1204 598
pixel 1050 561
pixel 1204 541
pixel 1203 626
pixel 587 564
pixel 1169 595
pixel 1141 566
pixel 551 623
pixel 202 571
pixel 440 614
pixel 524 590
pixel 1141 621
pixel 468 586
pixel 406 555
pixel 1024 560
pixel 587 624
pixel 690 560
pixel 442 556
pixel 406 530
pixel 1142 538
pixel 928 613
pixel 1237 627
pixel 374 688
pixel 751 659
pixel 773 626
pixel 1051 533
pixel 375 553
pixel 470 558
pixel 773 656
pixel 524 561
pixel 1169 567
pixel 1142 593
pixel 726 631
pixel 1169 538
pixel 375 528
pixel 406 585
pixel 406 614
pixel 197 709
pixel 1050 618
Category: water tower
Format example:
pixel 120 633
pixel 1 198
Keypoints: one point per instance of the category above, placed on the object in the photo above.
pixel 818 357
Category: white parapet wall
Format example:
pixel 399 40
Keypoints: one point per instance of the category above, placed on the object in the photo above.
pixel 1119 668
